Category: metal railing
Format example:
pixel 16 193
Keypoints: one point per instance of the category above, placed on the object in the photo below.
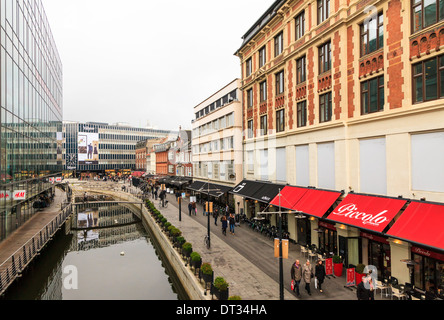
pixel 13 267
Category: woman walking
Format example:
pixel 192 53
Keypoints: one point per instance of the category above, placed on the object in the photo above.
pixel 307 274
pixel 320 274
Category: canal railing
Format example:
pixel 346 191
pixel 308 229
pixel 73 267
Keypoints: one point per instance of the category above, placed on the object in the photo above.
pixel 12 268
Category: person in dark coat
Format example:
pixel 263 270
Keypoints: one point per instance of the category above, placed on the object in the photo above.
pixel 320 274
pixel 296 275
pixel 190 208
pixel 224 225
pixel 362 292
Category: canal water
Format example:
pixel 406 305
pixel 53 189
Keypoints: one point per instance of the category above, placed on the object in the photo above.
pixel 104 254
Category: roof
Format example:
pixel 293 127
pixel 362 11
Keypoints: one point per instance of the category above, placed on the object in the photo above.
pixel 261 22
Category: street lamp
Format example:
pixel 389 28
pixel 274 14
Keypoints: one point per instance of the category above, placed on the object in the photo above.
pixel 208 194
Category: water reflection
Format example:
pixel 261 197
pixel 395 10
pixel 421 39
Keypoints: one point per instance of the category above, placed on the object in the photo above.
pixel 110 263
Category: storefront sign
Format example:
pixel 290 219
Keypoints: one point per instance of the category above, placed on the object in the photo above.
pixel 51 180
pixel 329 266
pixel 5 195
pixel 374 238
pixel 428 253
pixel 58 179
pixel 373 213
pixel 20 195
pixel 326 225
pixel 351 279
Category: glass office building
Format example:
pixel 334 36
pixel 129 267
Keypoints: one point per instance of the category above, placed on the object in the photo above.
pixel 95 149
pixel 31 110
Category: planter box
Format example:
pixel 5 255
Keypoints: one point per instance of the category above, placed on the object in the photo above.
pixel 220 295
pixel 338 268
pixel 359 277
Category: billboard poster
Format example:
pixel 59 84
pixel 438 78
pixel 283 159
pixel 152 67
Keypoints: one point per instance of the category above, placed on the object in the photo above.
pixel 351 279
pixel 88 144
pixel 329 267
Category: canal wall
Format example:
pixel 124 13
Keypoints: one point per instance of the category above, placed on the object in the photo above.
pixel 188 280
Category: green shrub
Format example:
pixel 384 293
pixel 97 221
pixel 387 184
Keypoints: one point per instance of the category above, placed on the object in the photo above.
pixel 220 284
pixel 187 247
pixel 234 298
pixel 337 259
pixel 207 269
pixel 360 268
pixel 195 256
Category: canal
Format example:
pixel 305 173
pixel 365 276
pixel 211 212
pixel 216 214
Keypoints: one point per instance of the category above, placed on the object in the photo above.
pixel 104 253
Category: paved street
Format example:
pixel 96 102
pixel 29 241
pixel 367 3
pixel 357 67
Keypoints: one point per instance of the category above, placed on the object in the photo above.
pixel 246 259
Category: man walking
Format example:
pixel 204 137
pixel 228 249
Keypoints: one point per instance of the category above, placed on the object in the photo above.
pixel 296 276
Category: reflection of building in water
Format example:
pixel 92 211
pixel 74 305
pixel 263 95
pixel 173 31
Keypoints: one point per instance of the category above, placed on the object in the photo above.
pixel 101 238
pixel 96 221
pixel 100 216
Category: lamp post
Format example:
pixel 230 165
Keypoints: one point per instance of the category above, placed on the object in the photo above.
pixel 281 271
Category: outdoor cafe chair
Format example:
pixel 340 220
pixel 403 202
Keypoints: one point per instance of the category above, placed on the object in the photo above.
pixel 382 287
pixel 397 293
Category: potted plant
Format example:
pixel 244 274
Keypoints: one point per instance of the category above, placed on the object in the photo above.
pixel 234 298
pixel 166 226
pixel 179 242
pixel 207 272
pixel 337 265
pixel 359 273
pixel 196 260
pixel 220 288
pixel 175 233
pixel 187 248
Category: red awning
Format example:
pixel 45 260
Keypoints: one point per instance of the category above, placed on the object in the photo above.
pixel 316 202
pixel 367 212
pixel 289 197
pixel 421 223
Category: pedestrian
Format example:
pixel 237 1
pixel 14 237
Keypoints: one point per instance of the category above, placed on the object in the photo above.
pixel 224 225
pixel 232 222
pixel 372 288
pixel 362 292
pixel 190 208
pixel 85 197
pixel 320 274
pixel 307 274
pixel 296 276
pixel 194 208
pixel 215 216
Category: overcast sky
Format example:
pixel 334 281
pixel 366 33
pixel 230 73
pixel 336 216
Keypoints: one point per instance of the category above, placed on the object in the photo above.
pixel 145 61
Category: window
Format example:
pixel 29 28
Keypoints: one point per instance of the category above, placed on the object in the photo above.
pixel 300 70
pixel 262 57
pixel 263 91
pixel 324 57
pixel 302 113
pixel 280 82
pixel 278 44
pixel 264 125
pixel 280 120
pixel 325 108
pixel 372 34
pixel 249 67
pixel 300 25
pixel 250 98
pixel 428 79
pixel 372 95
pixel 250 128
pixel 323 10
pixel 426 12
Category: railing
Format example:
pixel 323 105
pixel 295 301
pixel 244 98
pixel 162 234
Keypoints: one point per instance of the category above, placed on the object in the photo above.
pixel 13 267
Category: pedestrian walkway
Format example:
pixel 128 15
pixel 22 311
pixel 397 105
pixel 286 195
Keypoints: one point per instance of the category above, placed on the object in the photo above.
pixel 246 259
pixel 30 228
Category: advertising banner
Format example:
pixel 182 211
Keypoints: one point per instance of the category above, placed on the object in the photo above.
pixel 351 279
pixel 284 248
pixel 5 195
pixel 329 266
pixel 19 195
pixel 88 148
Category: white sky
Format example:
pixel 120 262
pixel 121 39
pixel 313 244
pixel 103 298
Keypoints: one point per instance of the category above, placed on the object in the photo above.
pixel 140 61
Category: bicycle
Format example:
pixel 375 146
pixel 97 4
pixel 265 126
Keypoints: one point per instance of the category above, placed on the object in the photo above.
pixel 165 204
pixel 207 241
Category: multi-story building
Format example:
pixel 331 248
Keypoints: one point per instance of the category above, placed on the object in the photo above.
pixel 346 96
pixel 143 154
pixel 217 144
pixel 165 156
pixel 31 110
pixel 99 148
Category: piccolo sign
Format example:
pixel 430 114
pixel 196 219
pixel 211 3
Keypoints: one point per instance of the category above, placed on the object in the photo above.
pixel 367 212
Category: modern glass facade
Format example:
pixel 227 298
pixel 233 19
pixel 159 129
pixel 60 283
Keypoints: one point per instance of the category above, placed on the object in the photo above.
pixel 31 110
pixel 97 147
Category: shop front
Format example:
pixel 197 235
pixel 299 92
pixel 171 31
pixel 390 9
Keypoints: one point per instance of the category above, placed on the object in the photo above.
pixel 328 238
pixel 428 271
pixel 377 251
